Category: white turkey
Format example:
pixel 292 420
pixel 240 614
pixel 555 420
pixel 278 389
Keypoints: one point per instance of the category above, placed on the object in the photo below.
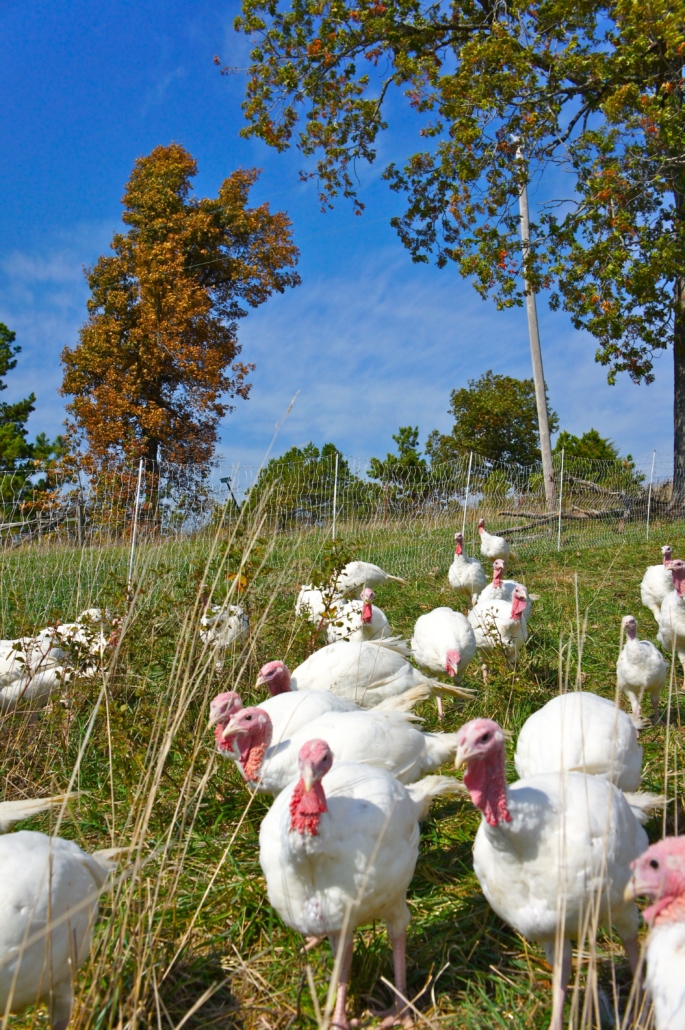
pixel 342 854
pixel 640 670
pixel 502 589
pixel 49 892
pixel 583 732
pixel 492 547
pixel 357 620
pixel 34 669
pixel 549 849
pixel 386 740
pixel 656 583
pixel 313 602
pixel 443 641
pixel 84 636
pixel 659 873
pixel 35 687
pixel 364 671
pixel 223 625
pixel 672 615
pixel 502 625
pixel 466 575
pixel 290 710
pixel 359 574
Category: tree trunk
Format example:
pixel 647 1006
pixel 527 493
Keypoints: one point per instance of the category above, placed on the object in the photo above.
pixel 678 494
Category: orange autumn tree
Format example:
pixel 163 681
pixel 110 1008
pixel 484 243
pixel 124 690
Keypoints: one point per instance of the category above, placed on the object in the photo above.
pixel 155 367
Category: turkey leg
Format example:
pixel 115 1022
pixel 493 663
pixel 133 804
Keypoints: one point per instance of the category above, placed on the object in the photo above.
pixel 339 1017
pixel 632 950
pixel 60 1003
pixel 560 979
pixel 398 1013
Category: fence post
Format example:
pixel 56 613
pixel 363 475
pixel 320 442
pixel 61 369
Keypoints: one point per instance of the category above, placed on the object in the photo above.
pixel 561 497
pixel 466 497
pixel 335 494
pixel 649 499
pixel 135 525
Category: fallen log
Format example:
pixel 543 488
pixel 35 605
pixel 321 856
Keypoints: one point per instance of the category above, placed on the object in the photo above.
pixel 593 487
pixel 530 514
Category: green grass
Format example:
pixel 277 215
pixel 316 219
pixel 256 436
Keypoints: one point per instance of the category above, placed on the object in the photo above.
pixel 192 917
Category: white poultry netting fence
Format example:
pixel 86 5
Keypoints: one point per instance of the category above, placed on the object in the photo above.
pixel 69 534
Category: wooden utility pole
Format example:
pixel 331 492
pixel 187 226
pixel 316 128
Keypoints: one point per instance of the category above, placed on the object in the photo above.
pixel 536 355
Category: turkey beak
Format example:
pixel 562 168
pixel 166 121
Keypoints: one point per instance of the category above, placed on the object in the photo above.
pixel 308 778
pixel 214 718
pixel 230 729
pixel 261 681
pixel 461 758
pixel 631 890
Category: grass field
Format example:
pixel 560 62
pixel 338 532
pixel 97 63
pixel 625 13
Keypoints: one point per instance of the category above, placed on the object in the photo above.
pixel 187 936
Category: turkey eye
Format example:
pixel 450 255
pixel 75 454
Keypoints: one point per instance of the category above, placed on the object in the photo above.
pixel 654 864
pixel 484 738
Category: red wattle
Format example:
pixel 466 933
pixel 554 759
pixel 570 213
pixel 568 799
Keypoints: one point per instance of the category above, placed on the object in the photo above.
pixel 306 808
pixel 226 746
pixel 367 613
pixel 668 909
pixel 487 786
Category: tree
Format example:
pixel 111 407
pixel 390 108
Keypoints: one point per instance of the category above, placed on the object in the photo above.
pixel 406 471
pixel 590 93
pixel 157 357
pixel 13 417
pixel 590 445
pixel 405 463
pixel 299 485
pixel 496 417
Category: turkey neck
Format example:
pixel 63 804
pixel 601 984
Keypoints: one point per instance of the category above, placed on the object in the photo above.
pixel 668 909
pixel 306 808
pixel 252 748
pixel 487 785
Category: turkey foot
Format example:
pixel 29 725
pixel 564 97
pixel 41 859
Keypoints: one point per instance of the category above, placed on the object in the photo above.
pixel 398 1014
pixel 313 942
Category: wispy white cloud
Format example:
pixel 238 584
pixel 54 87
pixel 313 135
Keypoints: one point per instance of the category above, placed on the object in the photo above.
pixel 383 347
pixel 370 343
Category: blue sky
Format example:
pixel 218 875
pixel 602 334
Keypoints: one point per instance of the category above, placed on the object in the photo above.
pixel 369 340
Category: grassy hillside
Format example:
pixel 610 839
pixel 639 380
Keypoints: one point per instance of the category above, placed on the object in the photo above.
pixel 187 933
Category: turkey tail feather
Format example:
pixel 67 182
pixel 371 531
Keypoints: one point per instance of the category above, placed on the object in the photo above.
pixel 14 811
pixel 398 644
pixel 438 687
pixel 404 702
pixel 644 804
pixel 424 791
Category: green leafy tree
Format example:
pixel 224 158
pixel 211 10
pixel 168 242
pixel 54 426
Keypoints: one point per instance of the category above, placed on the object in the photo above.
pixel 590 445
pixel 593 457
pixel 407 465
pixel 299 485
pixel 496 417
pixel 14 444
pixel 586 98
